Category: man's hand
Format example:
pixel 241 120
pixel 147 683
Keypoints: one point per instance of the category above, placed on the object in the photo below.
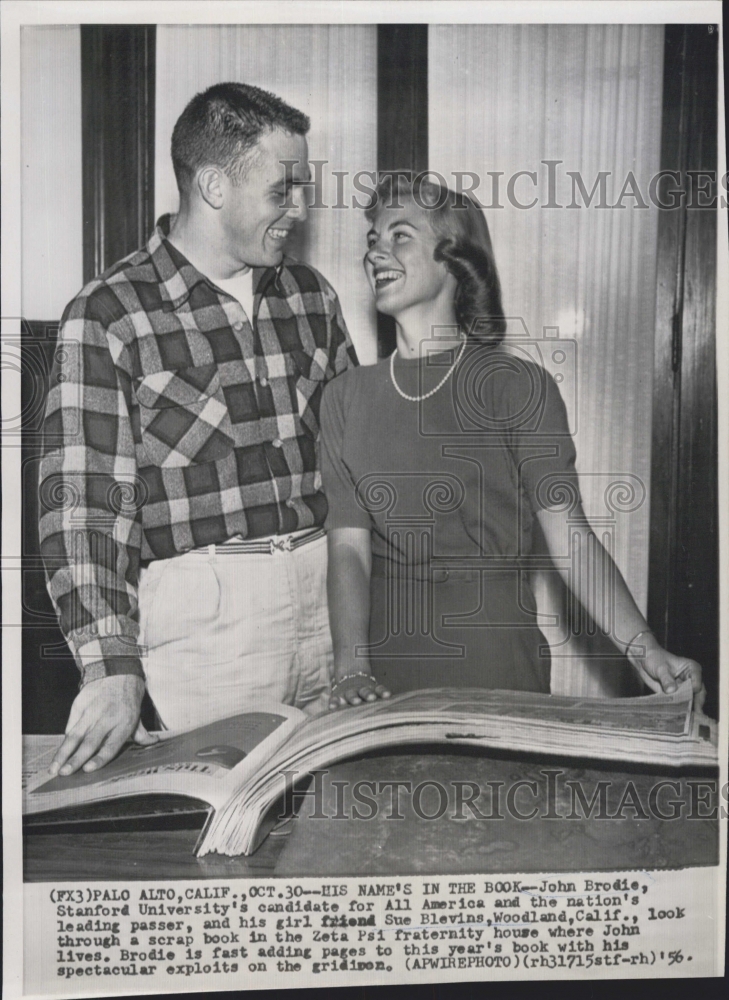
pixel 103 717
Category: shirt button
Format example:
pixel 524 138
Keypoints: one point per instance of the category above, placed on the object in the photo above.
pixel 263 380
pixel 277 442
pixel 238 326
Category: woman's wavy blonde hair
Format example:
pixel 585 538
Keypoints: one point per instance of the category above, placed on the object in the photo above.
pixel 464 246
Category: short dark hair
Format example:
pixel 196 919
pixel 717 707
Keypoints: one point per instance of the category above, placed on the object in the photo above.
pixel 464 247
pixel 221 124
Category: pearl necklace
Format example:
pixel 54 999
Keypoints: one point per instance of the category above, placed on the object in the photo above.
pixel 419 399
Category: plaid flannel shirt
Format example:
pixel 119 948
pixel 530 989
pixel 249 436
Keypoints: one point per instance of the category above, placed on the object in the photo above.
pixel 171 424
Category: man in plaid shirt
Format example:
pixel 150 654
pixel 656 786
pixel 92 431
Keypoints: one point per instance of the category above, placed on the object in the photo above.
pixel 182 510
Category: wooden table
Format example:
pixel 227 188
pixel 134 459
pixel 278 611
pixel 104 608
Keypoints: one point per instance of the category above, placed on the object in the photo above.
pixel 385 845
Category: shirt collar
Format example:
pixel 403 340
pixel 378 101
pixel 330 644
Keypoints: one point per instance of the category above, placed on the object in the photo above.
pixel 178 277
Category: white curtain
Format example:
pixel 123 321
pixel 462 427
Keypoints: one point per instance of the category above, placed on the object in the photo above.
pixel 51 206
pixel 327 71
pixel 504 98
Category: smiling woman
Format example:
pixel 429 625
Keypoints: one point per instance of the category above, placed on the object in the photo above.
pixel 400 262
pixel 434 232
pixel 431 527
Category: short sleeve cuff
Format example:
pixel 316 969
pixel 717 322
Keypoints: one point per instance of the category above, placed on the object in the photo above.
pixel 347 518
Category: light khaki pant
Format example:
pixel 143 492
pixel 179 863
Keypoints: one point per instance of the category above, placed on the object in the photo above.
pixel 224 630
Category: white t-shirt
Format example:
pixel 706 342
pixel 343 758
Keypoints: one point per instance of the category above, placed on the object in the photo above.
pixel 241 288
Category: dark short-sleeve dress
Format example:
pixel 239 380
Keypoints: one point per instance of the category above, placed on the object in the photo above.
pixel 448 488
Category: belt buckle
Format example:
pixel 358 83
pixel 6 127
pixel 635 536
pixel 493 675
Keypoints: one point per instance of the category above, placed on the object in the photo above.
pixel 282 545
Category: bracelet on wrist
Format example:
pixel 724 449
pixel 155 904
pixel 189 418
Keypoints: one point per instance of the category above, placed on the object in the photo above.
pixel 356 673
pixel 643 631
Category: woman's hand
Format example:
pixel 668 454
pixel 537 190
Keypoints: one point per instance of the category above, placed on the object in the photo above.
pixel 660 670
pixel 663 672
pixel 355 689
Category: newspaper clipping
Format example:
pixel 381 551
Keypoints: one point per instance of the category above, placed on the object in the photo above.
pixel 364 485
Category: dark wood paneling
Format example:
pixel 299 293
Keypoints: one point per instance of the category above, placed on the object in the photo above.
pixel 118 83
pixel 683 601
pixel 402 96
pixel 402 117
